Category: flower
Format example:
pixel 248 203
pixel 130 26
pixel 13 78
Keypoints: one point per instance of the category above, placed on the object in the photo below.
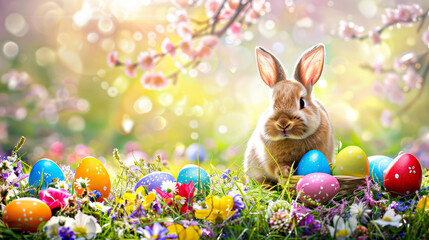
pixel 55 198
pixel 310 225
pixel 66 233
pixel 94 195
pixel 167 47
pixel 360 212
pixel 186 191
pixel 156 232
pixel 390 219
pixel 411 78
pixel 342 229
pixel 238 200
pixel 379 89
pixel 146 60
pixel 349 30
pixel 153 80
pixel 361 233
pixel 281 221
pixel 112 59
pixel 169 187
pixel 82 183
pixel 374 35
pixel 85 226
pixel 16 80
pixel 189 233
pixel 99 206
pixel 386 118
pixel 184 31
pixel 52 226
pixel 219 209
pixel 396 96
pixel 391 80
pixel 423 204
pixel 206 45
pixel 425 38
pixel 130 68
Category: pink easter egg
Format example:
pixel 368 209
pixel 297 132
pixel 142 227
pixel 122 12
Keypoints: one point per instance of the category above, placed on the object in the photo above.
pixel 317 188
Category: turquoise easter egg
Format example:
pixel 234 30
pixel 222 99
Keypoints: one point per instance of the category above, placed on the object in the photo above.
pixel 47 170
pixel 155 180
pixel 313 162
pixel 195 174
pixel 377 167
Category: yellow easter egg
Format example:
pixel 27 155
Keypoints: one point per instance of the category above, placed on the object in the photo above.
pixel 351 161
pixel 92 171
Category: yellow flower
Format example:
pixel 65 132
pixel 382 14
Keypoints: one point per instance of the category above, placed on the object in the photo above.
pixel 423 204
pixel 190 233
pixel 219 209
pixel 131 199
pixel 148 200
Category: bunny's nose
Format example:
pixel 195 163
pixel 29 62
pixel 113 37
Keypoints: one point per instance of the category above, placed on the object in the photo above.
pixel 285 125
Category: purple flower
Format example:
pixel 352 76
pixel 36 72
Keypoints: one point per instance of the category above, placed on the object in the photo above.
pixel 238 201
pixel 157 206
pixel 66 233
pixel 225 174
pixel 138 213
pixel 94 195
pixel 157 232
pixel 310 225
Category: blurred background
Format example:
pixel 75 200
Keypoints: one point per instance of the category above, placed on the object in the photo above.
pixel 58 91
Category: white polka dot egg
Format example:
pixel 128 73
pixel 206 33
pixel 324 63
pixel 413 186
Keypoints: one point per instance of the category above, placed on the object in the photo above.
pixel 351 161
pixel 317 188
pixel 403 175
pixel 25 214
pixel 155 180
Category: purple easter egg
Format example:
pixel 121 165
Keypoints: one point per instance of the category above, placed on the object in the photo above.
pixel 317 188
pixel 155 180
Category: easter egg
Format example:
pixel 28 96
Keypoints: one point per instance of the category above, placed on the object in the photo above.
pixel 195 152
pixel 317 188
pixel 351 161
pixel 25 214
pixel 195 174
pixel 154 180
pixel 93 172
pixel 378 166
pixel 403 176
pixel 312 162
pixel 47 170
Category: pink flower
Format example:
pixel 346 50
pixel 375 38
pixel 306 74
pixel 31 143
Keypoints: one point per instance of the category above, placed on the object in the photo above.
pixel 55 198
pixel 233 4
pixel 186 47
pixel 168 48
pixel 153 80
pixel 378 89
pixel 112 59
pixel 210 41
pixel 386 118
pixel 349 30
pixel 180 3
pixel 416 10
pixel 391 80
pixel 377 64
pixel 411 78
pixel 211 8
pixel 405 61
pixel 403 12
pixel 258 4
pixel 206 45
pixel 146 59
pixel 184 31
pixel 235 29
pixel 130 68
pixel 425 38
pixel 396 96
pixel 251 16
pixel 389 17
pixel 374 35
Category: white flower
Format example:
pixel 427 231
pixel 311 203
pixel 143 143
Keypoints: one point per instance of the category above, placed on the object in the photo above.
pixel 390 219
pixel 82 183
pixel 51 227
pixel 99 206
pixel 342 229
pixel 86 226
pixel 169 187
pixel 5 166
pixel 360 211
pixel 180 199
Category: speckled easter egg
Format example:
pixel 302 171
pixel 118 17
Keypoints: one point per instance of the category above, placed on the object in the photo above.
pixel 312 162
pixel 25 214
pixel 351 161
pixel 378 166
pixel 47 170
pixel 317 188
pixel 154 180
pixel 196 152
pixel 93 170
pixel 195 174
pixel 403 176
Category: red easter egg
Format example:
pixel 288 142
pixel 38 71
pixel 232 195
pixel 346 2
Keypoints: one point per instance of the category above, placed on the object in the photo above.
pixel 403 176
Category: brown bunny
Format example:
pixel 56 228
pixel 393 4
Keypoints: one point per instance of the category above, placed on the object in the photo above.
pixel 295 121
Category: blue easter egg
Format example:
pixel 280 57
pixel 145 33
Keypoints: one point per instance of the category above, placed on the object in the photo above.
pixel 195 174
pixel 154 180
pixel 313 162
pixel 47 170
pixel 195 152
pixel 377 165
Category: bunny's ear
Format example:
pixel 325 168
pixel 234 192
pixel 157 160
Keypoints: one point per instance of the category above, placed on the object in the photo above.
pixel 269 67
pixel 310 66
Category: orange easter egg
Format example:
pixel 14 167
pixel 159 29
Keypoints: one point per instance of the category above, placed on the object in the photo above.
pixel 93 172
pixel 25 214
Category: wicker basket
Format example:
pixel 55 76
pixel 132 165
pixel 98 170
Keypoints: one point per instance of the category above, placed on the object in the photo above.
pixel 348 184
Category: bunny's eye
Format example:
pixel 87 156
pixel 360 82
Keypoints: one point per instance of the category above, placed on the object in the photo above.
pixel 301 103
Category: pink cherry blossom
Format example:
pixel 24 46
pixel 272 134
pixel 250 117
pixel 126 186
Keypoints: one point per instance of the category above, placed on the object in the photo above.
pixel 153 80
pixel 391 80
pixel 186 47
pixel 425 38
pixel 184 31
pixel 389 17
pixel 130 68
pixel 210 41
pixel 379 89
pixel 234 29
pixel 180 3
pixel 112 59
pixel 233 4
pixel 396 96
pixel 374 35
pixel 405 61
pixel 55 198
pixel 226 14
pixel 377 64
pixel 411 78
pixel 386 118
pixel 206 45
pixel 146 59
pixel 349 30
pixel 403 12
pixel 211 7
pixel 257 5
pixel 251 16
pixel 168 48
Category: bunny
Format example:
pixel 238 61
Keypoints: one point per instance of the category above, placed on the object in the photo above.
pixel 295 121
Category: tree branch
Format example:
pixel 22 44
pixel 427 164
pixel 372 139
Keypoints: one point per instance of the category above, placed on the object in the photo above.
pixel 216 16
